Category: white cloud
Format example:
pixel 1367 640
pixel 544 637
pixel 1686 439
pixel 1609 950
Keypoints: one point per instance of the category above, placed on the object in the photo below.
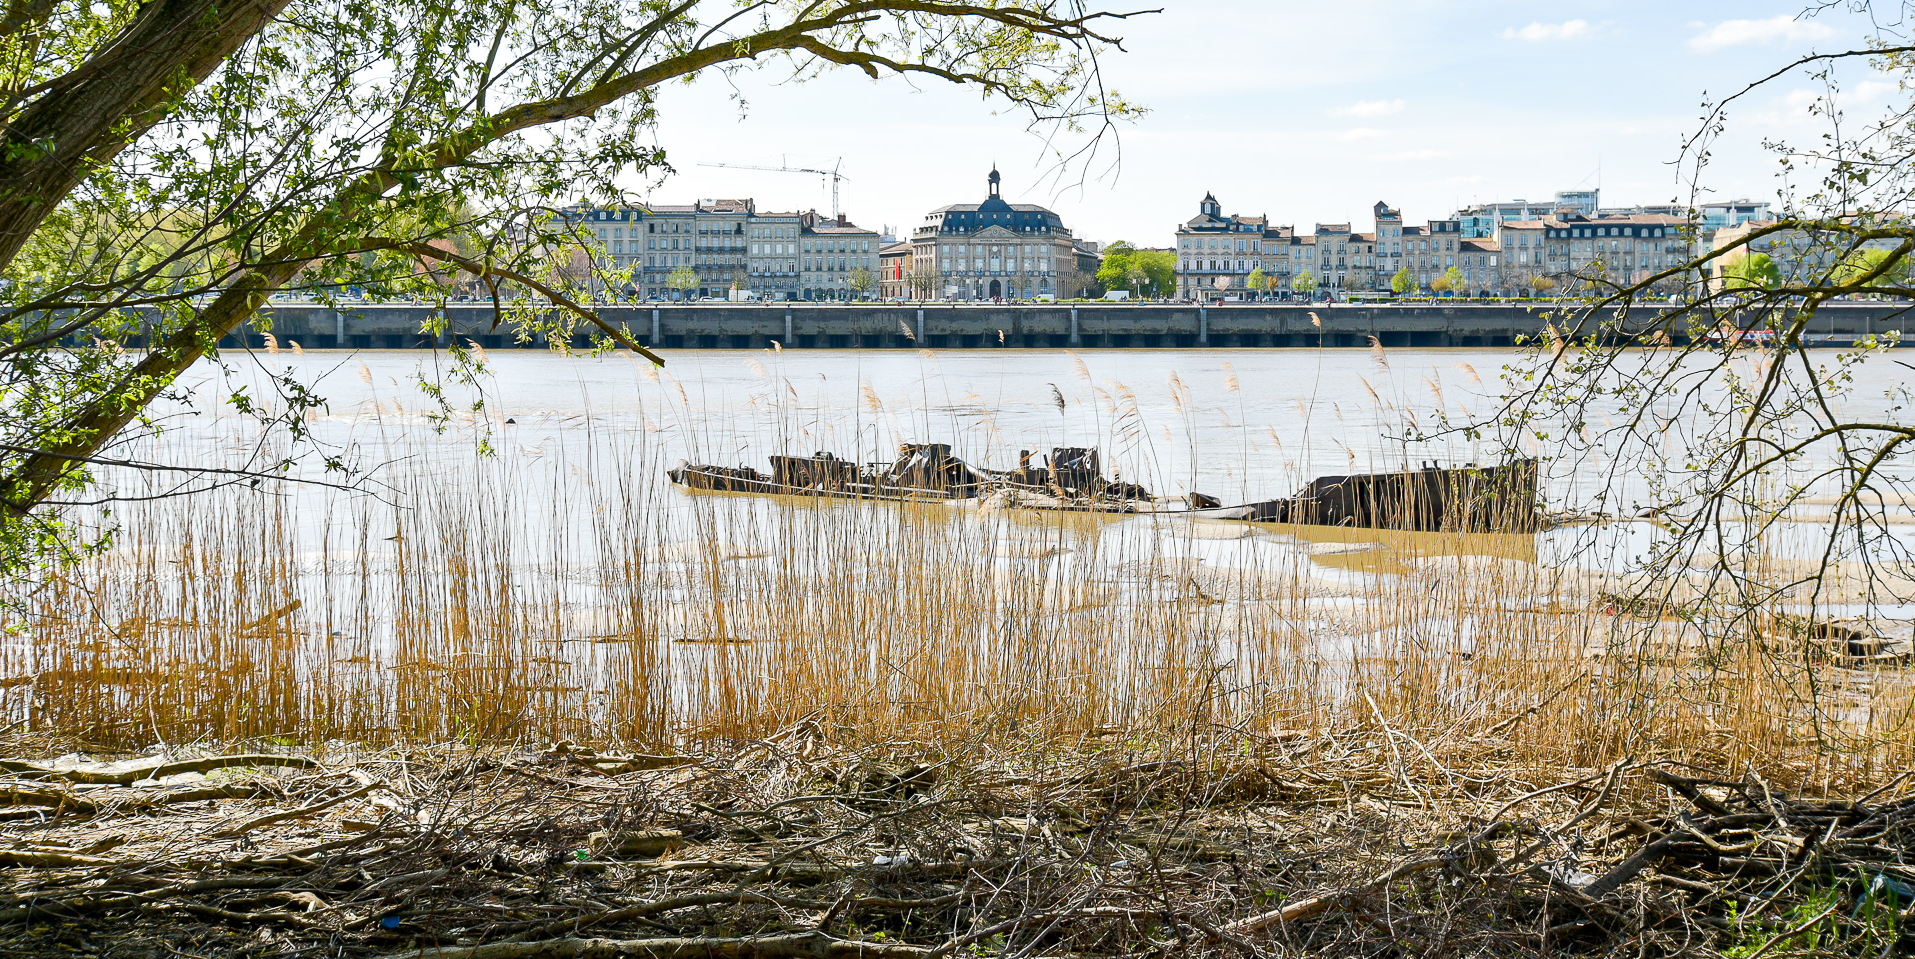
pixel 1413 155
pixel 1369 108
pixel 1361 133
pixel 1539 31
pixel 1783 28
pixel 1869 91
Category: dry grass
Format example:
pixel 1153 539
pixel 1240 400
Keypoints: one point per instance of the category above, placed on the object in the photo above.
pixel 528 599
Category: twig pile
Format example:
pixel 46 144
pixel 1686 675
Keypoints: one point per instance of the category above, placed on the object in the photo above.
pixel 790 848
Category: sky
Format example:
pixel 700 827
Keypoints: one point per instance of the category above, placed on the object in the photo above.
pixel 1304 112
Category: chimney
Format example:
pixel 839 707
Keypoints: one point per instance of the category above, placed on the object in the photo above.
pixel 841 220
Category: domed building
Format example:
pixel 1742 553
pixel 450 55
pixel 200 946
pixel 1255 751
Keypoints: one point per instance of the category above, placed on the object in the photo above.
pixel 995 250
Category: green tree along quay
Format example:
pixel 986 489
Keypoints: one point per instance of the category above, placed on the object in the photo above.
pixel 1452 280
pixel 860 281
pixel 1402 282
pixel 1160 271
pixel 682 279
pixel 167 166
pixel 1306 282
pixel 1874 268
pixel 1144 272
pixel 1255 283
pixel 1751 271
pixel 1114 272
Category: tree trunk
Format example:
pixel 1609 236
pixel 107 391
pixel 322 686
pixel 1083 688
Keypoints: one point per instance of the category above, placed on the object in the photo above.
pixel 86 117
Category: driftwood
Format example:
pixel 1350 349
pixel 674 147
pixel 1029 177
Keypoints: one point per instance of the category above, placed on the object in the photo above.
pixel 130 773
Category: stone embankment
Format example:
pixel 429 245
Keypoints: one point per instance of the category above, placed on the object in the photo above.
pixel 1041 326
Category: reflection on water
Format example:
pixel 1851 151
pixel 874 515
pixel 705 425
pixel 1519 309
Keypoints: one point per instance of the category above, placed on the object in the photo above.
pixel 1395 551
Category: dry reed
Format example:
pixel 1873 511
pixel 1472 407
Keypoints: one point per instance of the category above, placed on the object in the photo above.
pixel 540 598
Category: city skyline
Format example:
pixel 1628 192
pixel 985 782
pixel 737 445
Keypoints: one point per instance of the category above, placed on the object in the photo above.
pixel 1429 109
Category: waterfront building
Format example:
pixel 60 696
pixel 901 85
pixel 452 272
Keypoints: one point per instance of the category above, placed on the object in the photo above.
pixel 707 236
pixel 651 243
pixel 894 271
pixel 1481 220
pixel 1389 243
pixel 1482 275
pixel 1708 217
pixel 838 260
pixel 772 255
pixel 1618 248
pixel 1334 254
pixel 1428 251
pixel 1521 243
pixel 995 249
pixel 1283 254
pixel 730 245
pixel 1217 253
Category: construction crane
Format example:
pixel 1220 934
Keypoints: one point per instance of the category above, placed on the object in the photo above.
pixel 785 167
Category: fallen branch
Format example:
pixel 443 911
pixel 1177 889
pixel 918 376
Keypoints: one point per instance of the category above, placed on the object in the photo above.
pixel 38 859
pixel 803 945
pixel 302 812
pixel 58 800
pixel 733 897
pixel 174 797
pixel 270 618
pixel 1317 905
pixel 115 775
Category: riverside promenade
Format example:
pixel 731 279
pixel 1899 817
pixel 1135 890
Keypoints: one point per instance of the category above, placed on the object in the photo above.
pixel 1023 326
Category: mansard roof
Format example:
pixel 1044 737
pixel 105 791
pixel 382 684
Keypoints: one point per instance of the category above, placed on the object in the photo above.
pixel 994 203
pixel 964 219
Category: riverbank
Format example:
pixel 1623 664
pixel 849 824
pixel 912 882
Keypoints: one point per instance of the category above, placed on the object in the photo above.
pixel 1223 844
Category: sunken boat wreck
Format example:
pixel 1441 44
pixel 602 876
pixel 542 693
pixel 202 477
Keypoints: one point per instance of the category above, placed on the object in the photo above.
pixel 1471 498
pixel 1070 479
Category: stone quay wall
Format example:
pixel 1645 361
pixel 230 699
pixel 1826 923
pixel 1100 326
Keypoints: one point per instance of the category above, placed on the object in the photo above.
pixel 1060 326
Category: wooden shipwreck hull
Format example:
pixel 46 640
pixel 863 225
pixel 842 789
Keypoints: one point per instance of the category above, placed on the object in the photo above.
pixel 921 471
pixel 1467 499
pixel 1478 499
